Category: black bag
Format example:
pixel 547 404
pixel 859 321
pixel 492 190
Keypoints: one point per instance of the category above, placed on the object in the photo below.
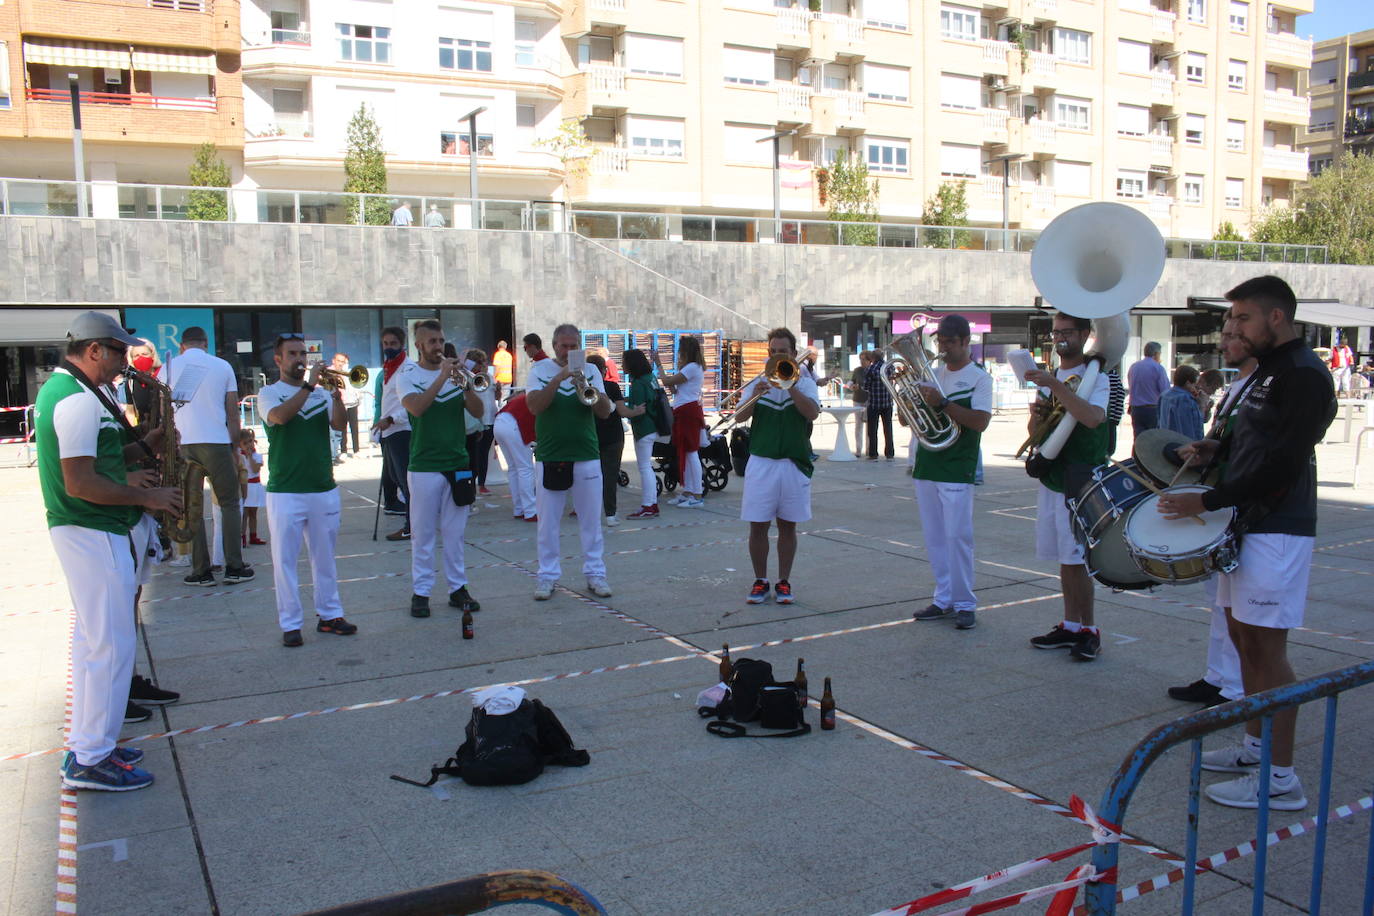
pixel 558 475
pixel 755 696
pixel 739 449
pixel 661 412
pixel 463 486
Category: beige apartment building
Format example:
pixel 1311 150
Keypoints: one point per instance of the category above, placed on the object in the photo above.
pixel 1341 89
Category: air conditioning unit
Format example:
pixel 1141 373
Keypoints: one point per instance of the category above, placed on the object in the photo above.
pixel 113 77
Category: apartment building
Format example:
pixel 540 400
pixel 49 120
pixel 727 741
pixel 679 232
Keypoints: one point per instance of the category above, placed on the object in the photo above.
pixel 1341 90
pixel 156 78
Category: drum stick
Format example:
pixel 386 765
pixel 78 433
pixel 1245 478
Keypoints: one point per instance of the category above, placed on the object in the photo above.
pixel 1180 471
pixel 1146 484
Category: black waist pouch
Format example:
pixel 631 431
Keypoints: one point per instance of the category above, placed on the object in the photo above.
pixel 558 475
pixel 463 487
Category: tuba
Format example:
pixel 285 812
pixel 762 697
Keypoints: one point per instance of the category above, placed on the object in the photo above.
pixel 173 469
pixel 1096 261
pixel 905 368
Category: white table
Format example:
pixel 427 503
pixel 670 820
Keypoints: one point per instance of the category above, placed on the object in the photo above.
pixel 841 451
pixel 1349 404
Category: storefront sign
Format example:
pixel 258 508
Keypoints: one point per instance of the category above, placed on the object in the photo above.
pixel 163 326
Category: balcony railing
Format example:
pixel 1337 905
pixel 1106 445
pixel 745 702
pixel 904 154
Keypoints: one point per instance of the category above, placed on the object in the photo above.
pixel 604 78
pixel 1165 23
pixel 526 59
pixel 1293 108
pixel 992 186
pixel 995 51
pixel 1160 204
pixel 1360 80
pixel 293 37
pixel 1161 149
pixel 1288 45
pixel 290 130
pixel 181 6
pixel 126 99
pixel 610 6
pixel 995 124
pixel 610 159
pixel 794 22
pixel 1162 88
pixel 1042 64
pixel 1043 7
pixel 1043 133
pixel 794 100
pixel 1042 198
pixel 849 106
pixel 847 28
pixel 1283 160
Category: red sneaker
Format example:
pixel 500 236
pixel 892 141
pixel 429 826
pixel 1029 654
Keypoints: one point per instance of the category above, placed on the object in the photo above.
pixel 257 541
pixel 532 518
pixel 484 491
pixel 645 512
pixel 758 592
pixel 782 592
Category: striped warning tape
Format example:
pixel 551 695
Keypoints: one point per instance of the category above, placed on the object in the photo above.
pixel 1346 544
pixel 1155 596
pixel 15 409
pixel 65 893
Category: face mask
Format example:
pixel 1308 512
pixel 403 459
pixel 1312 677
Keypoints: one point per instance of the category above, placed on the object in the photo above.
pixel 390 353
pixel 143 363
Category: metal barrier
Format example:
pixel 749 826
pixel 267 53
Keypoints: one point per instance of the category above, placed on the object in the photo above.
pixel 25 437
pixel 1101 897
pixel 477 894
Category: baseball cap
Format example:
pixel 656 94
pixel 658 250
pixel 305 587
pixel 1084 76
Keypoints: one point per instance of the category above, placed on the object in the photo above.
pixel 99 326
pixel 953 326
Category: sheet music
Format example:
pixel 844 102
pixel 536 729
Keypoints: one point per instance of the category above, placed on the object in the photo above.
pixel 186 383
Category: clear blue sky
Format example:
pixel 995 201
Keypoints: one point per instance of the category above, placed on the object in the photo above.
pixel 1334 18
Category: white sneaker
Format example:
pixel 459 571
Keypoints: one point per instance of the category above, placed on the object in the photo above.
pixel 691 502
pixel 183 560
pixel 1234 759
pixel 677 500
pixel 599 587
pixel 612 521
pixel 543 591
pixel 1244 793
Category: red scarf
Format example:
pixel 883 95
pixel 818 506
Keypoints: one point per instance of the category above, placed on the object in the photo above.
pixel 390 366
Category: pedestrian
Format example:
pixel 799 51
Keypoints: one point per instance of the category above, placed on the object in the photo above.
pixel 1178 407
pixel 401 216
pixel 481 435
pixel 351 399
pixel 391 424
pixel 255 497
pixel 610 439
pixel 644 395
pixel 689 421
pixel 879 408
pixel 1342 363
pixel 514 434
pixel 1146 381
pixel 504 363
pixel 858 395
pixel 434 219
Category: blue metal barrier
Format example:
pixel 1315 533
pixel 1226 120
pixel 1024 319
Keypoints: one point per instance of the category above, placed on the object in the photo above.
pixel 1101 897
pixel 478 894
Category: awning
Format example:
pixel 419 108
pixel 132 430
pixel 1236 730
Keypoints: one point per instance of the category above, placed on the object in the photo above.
pixel 1330 312
pixel 65 53
pixel 167 61
pixel 26 327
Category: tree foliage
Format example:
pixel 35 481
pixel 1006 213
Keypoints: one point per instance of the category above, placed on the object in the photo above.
pixel 570 144
pixel 852 197
pixel 365 168
pixel 948 206
pixel 208 171
pixel 1334 209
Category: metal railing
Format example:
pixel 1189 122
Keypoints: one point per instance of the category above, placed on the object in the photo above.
pixel 125 99
pixel 478 894
pixel 1101 896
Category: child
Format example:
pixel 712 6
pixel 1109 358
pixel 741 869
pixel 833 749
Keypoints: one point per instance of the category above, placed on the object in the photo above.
pixel 254 496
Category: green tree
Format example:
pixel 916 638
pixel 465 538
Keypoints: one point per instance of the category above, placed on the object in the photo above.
pixel 1336 209
pixel 853 198
pixel 365 168
pixel 208 171
pixel 948 206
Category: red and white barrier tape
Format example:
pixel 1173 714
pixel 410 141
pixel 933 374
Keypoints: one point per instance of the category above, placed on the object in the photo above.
pixel 16 440
pixel 64 896
pixel 15 409
pixel 1176 602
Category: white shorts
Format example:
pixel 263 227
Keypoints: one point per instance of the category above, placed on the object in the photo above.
pixel 1269 587
pixel 1054 540
pixel 256 496
pixel 775 488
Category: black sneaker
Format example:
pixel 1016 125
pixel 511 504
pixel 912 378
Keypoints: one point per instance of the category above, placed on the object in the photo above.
pixel 934 612
pixel 1086 647
pixel 419 605
pixel 292 639
pixel 1058 638
pixel 145 691
pixel 463 601
pixel 135 713
pixel 238 574
pixel 1199 691
pixel 204 580
pixel 338 626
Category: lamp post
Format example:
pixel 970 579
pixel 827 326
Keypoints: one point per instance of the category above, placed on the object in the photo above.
pixel 471 118
pixel 78 156
pixel 1006 159
pixel 777 177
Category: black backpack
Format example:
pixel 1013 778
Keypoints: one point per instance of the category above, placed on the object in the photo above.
pixel 755 697
pixel 661 413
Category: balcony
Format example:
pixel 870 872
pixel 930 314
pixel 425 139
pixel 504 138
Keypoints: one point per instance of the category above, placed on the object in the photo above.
pixel 1360 81
pixel 136 118
pixel 1163 89
pixel 845 30
pixel 1042 68
pixel 293 127
pixel 1164 25
pixel 594 86
pixel 995 126
pixel 995 56
pixel 582 16
pixel 1287 161
pixel 833 110
pixel 121 99
pixel 1286 108
pixel 275 47
pixel 1160 206
pixel 794 103
pixel 793 28
pixel 608 160
pixel 290 37
pixel 1043 199
pixel 1288 49
pixel 1042 9
pixel 1161 149
pixel 1042 137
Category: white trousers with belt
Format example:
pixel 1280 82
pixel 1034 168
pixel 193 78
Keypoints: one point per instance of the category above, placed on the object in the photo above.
pixel 519 460
pixel 947 522
pixel 314 518
pixel 432 513
pixel 586 500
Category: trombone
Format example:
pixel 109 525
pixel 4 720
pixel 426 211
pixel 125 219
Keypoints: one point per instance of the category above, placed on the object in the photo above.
pixel 781 372
pixel 333 378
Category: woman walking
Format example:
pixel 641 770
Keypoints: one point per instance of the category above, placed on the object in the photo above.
pixel 688 419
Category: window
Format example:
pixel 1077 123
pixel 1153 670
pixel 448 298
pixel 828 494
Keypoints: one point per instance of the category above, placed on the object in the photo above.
pixel 1323 72
pixel 1195 67
pixel 655 136
pixel 525 116
pixel 464 54
pixel 1235 75
pixel 1194 126
pixel 1319 165
pixel 889 156
pixel 1130 184
pixel 1192 189
pixel 1072 113
pixel 958 160
pixel 959 22
pixel 1235 135
pixel 526 36
pixel 455 143
pixel 1197 10
pixel 1322 119
pixel 1072 45
pixel 742 146
pixel 4 75
pixel 886 14
pixel 888 84
pixel 1073 178
pixel 1132 120
pixel 367 44
pixel 652 55
pixel 1235 191
pixel 1239 16
pixel 1132 56
pixel 962 92
pixel 748 66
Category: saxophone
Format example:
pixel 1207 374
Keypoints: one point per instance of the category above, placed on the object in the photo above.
pixel 173 469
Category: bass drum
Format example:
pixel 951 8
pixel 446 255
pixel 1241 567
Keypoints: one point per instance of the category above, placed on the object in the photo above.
pixel 1099 517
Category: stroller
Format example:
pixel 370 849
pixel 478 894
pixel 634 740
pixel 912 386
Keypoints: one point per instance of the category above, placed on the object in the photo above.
pixel 715 466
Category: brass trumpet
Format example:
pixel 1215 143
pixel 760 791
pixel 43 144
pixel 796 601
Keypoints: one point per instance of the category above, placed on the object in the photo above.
pixel 585 392
pixel 461 376
pixel 333 378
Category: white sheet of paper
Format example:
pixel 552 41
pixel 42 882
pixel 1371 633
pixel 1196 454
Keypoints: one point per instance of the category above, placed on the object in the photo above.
pixel 1021 362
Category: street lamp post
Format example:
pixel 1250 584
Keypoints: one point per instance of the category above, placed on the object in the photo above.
pixel 78 155
pixel 1006 159
pixel 471 117
pixel 777 177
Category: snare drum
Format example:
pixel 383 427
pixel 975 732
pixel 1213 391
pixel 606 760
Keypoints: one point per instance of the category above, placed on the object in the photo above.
pixel 1098 517
pixel 1180 551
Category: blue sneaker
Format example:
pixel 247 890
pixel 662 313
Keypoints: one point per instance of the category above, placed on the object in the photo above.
pixel 126 755
pixel 109 775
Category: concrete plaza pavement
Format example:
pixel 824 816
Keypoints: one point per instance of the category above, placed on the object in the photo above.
pixel 297 813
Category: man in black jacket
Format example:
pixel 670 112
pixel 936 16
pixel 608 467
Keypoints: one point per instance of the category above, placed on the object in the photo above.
pixel 1270 478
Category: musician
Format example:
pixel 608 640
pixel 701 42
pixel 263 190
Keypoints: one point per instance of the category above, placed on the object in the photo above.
pixel 567 459
pixel 1270 479
pixel 777 481
pixel 302 500
pixel 1085 449
pixel 101 537
pixel 944 478
pixel 351 399
pixel 392 424
pixel 440 467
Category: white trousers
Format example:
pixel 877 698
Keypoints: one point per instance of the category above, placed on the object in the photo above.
pixel 313 517
pixel 432 513
pixel 586 500
pixel 101 578
pixel 691 474
pixel 519 461
pixel 947 522
pixel 644 460
pixel 859 442
pixel 216 534
pixel 1223 662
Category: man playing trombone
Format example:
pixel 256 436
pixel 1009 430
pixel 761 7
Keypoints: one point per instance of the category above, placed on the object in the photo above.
pixel 944 477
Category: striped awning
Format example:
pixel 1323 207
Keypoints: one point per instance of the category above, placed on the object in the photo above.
pixel 165 60
pixel 66 53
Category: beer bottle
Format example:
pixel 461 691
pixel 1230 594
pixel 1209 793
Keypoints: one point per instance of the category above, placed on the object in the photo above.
pixel 467 624
pixel 800 681
pixel 827 708
pixel 726 668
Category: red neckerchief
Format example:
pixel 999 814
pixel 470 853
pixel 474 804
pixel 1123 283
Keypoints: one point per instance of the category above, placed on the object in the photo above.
pixel 390 366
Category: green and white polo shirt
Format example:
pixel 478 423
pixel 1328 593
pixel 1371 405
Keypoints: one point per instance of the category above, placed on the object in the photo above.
pixel 299 459
pixel 566 430
pixel 778 429
pixel 1086 447
pixel 438 438
pixel 969 387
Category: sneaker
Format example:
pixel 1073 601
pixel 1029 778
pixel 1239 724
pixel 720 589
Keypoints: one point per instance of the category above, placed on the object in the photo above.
pixel 612 521
pixel 1086 647
pixel 1234 759
pixel 419 605
pixel 135 713
pixel 1244 793
pixel 217 568
pixel 599 587
pixel 782 592
pixel 394 510
pixel 691 502
pixel 338 626
pixel 677 500
pixel 256 541
pixel 183 560
pixel 483 491
pixel 965 620
pixel 109 775
pixel 934 612
pixel 238 574
pixel 532 518
pixel 204 580
pixel 644 512
pixel 1199 691
pixel 402 535
pixel 758 592
pixel 462 600
pixel 129 756
pixel 543 590
pixel 145 691
pixel 292 639
pixel 1058 638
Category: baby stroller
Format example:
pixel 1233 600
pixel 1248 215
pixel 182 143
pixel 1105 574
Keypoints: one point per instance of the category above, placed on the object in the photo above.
pixel 715 465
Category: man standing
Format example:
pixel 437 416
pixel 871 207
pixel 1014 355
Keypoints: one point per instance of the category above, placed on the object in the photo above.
pixel 567 458
pixel 101 538
pixel 534 351
pixel 879 407
pixel 1178 407
pixel 402 216
pixel 1342 362
pixel 442 486
pixel 944 479
pixel 1085 449
pixel 393 425
pixel 1270 478
pixel 859 395
pixel 207 420
pixel 504 363
pixel 777 480
pixel 434 219
pixel 350 403
pixel 302 500
pixel 1147 381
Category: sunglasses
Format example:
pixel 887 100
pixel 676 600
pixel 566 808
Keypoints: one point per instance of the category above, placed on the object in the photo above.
pixel 116 348
pixel 290 336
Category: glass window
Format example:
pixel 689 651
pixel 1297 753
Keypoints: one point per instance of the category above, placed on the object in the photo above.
pixel 1195 67
pixel 742 144
pixel 890 84
pixel 1235 135
pixel 964 92
pixel 1194 127
pixel 364 44
pixel 888 156
pixel 464 54
pixel 1197 10
pixel 1130 184
pixel 453 143
pixel 1235 75
pixel 1322 119
pixel 1073 46
pixel 959 22
pixel 1073 178
pixel 1132 56
pixel 958 160
pixel 1239 16
pixel 1192 189
pixel 652 55
pixel 1072 113
pixel 1132 120
pixel 524 116
pixel 1235 191
pixel 886 14
pixel 658 137
pixel 749 66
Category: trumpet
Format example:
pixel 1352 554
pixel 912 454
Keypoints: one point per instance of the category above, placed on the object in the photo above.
pixel 333 378
pixel 780 371
pixel 585 392
pixel 461 376
pixel 905 369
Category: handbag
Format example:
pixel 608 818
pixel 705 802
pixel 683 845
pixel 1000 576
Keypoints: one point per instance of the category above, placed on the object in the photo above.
pixel 558 475
pixel 463 486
